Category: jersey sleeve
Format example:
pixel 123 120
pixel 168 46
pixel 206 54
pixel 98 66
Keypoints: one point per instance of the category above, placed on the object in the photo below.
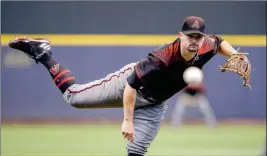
pixel 167 52
pixel 144 71
pixel 152 66
pixel 218 39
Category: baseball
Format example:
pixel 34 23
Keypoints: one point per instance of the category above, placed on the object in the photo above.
pixel 193 75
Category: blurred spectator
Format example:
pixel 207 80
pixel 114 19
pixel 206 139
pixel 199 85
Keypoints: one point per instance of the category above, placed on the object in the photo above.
pixel 193 96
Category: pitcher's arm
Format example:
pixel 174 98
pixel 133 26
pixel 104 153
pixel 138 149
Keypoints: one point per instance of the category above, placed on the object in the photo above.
pixel 129 97
pixel 226 49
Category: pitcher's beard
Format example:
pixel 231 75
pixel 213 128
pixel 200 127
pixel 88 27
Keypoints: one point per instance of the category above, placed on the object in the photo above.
pixel 192 51
pixel 192 48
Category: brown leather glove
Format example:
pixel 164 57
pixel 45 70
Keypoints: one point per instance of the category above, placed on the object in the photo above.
pixel 240 64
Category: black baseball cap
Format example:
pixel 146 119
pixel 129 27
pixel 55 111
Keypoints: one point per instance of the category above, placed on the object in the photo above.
pixel 193 24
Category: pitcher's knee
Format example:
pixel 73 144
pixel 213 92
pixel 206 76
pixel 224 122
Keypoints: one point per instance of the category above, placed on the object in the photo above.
pixel 73 98
pixel 76 101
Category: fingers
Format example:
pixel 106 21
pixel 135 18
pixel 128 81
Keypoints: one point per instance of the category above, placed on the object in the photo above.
pixel 125 134
pixel 131 139
pixel 128 136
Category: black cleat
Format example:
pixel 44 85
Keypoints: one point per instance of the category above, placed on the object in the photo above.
pixel 35 48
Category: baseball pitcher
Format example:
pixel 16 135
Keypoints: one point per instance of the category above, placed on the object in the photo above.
pixel 141 88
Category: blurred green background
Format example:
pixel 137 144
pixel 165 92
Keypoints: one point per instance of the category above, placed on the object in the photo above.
pixel 105 140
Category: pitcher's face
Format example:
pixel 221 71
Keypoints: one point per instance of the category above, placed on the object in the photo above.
pixel 192 42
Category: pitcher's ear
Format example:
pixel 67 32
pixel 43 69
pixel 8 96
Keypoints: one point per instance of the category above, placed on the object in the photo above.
pixel 180 34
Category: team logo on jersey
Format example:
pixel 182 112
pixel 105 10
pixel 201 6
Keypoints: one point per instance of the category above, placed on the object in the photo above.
pixel 195 24
pixel 55 69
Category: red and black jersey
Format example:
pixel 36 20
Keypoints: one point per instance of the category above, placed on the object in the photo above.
pixel 160 75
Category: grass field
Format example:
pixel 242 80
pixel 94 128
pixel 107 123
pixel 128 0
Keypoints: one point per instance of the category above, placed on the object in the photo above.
pixel 105 140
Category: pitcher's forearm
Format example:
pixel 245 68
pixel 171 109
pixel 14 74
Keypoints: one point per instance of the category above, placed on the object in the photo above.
pixel 226 49
pixel 129 98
